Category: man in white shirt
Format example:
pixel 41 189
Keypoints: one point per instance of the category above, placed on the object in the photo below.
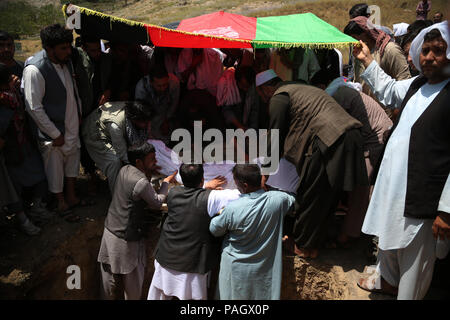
pixel 52 101
pixel 410 206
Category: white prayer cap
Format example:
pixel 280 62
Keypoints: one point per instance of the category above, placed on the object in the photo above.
pixel 416 45
pixel 400 29
pixel 265 76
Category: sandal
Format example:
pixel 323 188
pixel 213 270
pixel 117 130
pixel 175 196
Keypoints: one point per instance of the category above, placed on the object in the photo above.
pixel 369 283
pixel 340 211
pixel 369 269
pixel 62 212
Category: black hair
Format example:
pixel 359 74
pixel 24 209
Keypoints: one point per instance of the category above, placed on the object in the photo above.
pixel 360 9
pixel 138 110
pixel 417 26
pixel 245 72
pixel 55 34
pixel 139 152
pixel 353 28
pixel 432 35
pixel 5 74
pixel 159 72
pixel 5 36
pixel 247 173
pixel 429 23
pixel 321 77
pixel 408 38
pixel 191 174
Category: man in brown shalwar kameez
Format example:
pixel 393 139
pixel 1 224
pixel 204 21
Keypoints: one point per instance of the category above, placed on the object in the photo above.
pixel 325 145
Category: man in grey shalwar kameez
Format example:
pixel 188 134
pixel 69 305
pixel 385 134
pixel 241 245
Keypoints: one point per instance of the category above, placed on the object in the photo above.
pixel 122 251
pixel 251 262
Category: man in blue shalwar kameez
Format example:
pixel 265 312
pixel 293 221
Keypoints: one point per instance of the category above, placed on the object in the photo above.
pixel 251 261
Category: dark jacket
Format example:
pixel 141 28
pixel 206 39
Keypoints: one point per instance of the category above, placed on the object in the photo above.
pixel 185 244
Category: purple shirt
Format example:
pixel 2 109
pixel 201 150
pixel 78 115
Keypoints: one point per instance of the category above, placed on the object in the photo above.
pixel 423 9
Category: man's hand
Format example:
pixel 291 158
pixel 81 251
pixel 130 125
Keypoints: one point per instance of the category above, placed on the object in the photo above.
pixel 264 179
pixel 362 53
pixel 58 142
pixel 441 226
pixel 104 97
pixel 14 82
pixel 171 178
pixel 216 183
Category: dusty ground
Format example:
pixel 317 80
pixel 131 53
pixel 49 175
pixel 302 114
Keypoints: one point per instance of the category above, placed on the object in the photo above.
pixel 35 267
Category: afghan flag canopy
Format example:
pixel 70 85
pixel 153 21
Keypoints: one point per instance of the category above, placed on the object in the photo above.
pixel 215 30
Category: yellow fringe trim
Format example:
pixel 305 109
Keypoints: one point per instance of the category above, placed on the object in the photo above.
pixel 254 43
pixel 289 45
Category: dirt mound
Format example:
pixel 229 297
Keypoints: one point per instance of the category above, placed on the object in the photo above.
pixel 317 281
pixel 50 282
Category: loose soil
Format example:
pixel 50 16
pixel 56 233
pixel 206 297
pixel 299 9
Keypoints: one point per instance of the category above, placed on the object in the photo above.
pixel 36 267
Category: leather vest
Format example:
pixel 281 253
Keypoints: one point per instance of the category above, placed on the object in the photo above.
pixel 55 97
pixel 429 154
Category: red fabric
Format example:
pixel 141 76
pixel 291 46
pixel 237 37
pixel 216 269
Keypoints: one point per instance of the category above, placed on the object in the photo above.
pixel 219 24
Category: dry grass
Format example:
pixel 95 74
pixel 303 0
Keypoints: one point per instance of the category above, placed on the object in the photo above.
pixel 334 12
pixel 29 47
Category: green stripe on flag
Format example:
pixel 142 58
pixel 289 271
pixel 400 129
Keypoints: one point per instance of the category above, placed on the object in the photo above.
pixel 304 30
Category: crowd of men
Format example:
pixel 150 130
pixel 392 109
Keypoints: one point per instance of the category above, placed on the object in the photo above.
pixel 371 139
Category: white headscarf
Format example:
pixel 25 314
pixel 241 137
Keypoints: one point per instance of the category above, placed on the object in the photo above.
pixel 416 45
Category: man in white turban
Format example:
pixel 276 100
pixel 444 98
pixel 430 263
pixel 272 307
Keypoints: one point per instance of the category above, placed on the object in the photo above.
pixel 410 207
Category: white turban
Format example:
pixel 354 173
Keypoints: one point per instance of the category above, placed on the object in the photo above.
pixel 416 45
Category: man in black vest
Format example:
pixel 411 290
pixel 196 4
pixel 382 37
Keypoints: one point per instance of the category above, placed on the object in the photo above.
pixel 186 250
pixel 122 251
pixel 51 99
pixel 410 206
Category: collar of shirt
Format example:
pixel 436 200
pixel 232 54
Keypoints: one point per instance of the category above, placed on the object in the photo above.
pixel 254 194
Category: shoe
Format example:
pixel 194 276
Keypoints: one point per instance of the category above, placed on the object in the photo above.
pixel 38 211
pixel 29 228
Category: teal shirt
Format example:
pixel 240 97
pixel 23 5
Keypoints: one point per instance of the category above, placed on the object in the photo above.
pixel 251 262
